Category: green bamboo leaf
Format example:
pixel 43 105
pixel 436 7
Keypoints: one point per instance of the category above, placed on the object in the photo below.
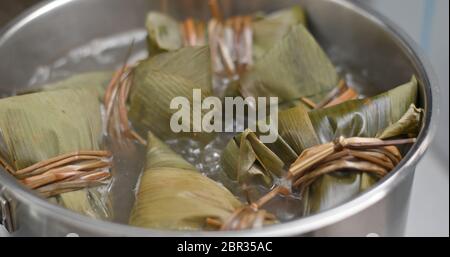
pixel 409 124
pixel 94 81
pixel 267 159
pixel 39 126
pixel 237 166
pixel 300 135
pixel 364 117
pixel 331 190
pixel 160 155
pixel 270 29
pixel 283 150
pixel 243 159
pixel 161 79
pixel 358 118
pixel 164 33
pixel 302 69
pixel 90 202
pixel 246 158
pixel 192 63
pixel 174 195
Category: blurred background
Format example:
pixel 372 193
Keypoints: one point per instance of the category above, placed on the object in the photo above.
pixel 427 22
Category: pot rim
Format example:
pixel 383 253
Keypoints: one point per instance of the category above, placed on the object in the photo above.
pixel 296 227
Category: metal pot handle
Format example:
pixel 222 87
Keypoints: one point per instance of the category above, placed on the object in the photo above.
pixel 6 214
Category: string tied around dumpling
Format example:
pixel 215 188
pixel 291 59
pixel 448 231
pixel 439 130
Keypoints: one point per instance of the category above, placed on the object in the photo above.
pixel 115 102
pixel 230 40
pixel 66 172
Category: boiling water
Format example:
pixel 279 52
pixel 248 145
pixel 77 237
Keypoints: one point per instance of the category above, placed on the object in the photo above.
pixel 108 54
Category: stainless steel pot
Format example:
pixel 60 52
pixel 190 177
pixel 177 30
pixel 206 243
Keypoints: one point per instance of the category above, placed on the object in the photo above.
pixel 358 37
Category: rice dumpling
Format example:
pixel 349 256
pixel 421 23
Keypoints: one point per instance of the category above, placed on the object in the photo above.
pixel 162 78
pixel 174 195
pixel 47 125
pixel 390 114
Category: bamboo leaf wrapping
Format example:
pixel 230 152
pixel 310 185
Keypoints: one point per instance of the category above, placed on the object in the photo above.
pixel 96 82
pixel 389 114
pixel 174 195
pixel 164 33
pixel 271 28
pixel 294 67
pixel 39 126
pixel 162 78
pixel 361 118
